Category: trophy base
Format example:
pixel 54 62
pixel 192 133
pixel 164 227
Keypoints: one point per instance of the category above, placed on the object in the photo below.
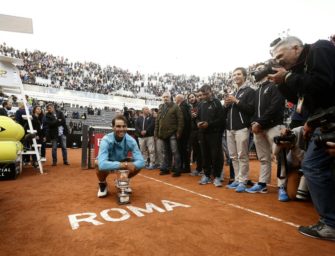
pixel 123 198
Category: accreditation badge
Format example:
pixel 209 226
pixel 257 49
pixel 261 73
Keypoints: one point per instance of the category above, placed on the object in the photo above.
pixel 299 104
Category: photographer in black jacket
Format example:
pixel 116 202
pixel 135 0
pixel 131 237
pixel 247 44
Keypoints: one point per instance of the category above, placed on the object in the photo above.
pixel 307 77
pixel 266 124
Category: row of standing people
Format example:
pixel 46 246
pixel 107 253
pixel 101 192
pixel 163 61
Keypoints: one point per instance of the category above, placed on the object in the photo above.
pixel 199 124
pixel 49 126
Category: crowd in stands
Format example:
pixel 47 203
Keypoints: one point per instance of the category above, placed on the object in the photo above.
pixel 44 69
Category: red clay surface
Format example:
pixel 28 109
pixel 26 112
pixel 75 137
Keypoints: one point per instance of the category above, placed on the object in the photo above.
pixel 35 208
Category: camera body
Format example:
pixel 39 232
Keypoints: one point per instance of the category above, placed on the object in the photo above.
pixel 225 93
pixel 289 139
pixel 258 75
pixel 321 139
pixel 322 119
pixel 326 121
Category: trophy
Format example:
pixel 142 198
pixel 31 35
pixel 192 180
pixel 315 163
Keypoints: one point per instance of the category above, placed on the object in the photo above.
pixel 122 184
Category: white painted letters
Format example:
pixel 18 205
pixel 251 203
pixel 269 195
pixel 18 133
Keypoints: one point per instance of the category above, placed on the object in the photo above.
pixel 149 209
pixel 122 214
pixel 125 215
pixel 169 205
pixel 74 221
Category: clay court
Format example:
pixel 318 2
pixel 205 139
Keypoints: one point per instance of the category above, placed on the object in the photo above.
pixel 185 218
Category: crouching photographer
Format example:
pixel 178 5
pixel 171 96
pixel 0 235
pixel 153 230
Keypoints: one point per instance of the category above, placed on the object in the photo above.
pixel 290 146
pixel 307 77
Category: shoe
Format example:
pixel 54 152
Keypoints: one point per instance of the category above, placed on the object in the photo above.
pixel 319 230
pixel 302 195
pixel 282 195
pixel 128 190
pixel 217 182
pixel 233 185
pixel 164 172
pixel 151 167
pixel 257 188
pixel 195 173
pixel 43 159
pixel 240 188
pixel 103 189
pixel 205 180
pixel 66 163
pixel 54 164
pixel 176 174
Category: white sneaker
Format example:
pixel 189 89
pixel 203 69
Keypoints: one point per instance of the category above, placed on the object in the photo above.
pixel 103 189
pixel 43 159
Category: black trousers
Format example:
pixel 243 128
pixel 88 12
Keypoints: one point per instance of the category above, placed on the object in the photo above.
pixel 195 145
pixel 184 152
pixel 211 152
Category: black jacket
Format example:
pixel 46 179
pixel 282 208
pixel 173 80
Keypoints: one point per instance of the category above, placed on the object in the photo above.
pixel 3 112
pixel 211 112
pixel 38 126
pixel 313 77
pixel 186 110
pixel 149 126
pixel 194 108
pixel 238 116
pixel 269 106
pixel 52 122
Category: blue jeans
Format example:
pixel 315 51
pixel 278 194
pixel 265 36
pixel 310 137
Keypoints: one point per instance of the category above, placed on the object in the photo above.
pixel 318 168
pixel 62 140
pixel 171 150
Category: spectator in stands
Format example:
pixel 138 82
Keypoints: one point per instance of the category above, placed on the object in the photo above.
pixel 57 131
pixel 267 123
pixel 145 126
pixel 37 123
pixel 210 122
pixel 184 140
pixel 19 116
pixel 6 107
pixel 239 108
pixel 194 138
pixel 168 127
pixel 128 113
pixel 113 154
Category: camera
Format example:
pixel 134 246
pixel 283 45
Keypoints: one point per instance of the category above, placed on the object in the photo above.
pixel 290 138
pixel 258 75
pixel 225 93
pixel 326 120
pixel 321 139
pixel 322 119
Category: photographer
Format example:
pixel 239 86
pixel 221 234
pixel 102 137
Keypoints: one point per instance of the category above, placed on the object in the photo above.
pixel 307 77
pixel 266 124
pixel 292 145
